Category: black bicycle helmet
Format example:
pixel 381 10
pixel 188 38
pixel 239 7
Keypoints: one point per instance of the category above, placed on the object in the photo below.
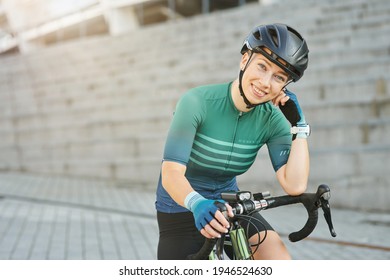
pixel 284 42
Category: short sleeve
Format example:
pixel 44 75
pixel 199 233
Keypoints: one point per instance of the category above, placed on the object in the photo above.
pixel 279 143
pixel 186 119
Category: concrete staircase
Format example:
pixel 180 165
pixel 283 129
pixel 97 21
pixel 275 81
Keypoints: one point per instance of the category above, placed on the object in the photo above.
pixel 101 107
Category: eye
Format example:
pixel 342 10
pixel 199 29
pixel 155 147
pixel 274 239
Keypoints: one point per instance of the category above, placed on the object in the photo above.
pixel 262 66
pixel 280 79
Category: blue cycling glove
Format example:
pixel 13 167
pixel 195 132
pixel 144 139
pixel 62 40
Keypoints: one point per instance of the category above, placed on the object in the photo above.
pixel 293 113
pixel 203 209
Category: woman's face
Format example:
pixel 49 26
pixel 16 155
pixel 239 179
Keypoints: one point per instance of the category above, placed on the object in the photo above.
pixel 262 80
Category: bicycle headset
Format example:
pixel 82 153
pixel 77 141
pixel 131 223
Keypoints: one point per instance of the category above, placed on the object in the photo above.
pixel 288 50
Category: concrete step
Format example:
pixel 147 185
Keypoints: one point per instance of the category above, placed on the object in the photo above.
pixel 141 172
pixel 354 67
pixel 335 7
pixel 348 111
pixel 352 89
pixel 363 29
pixel 9 157
pixel 346 134
pixel 334 15
pixel 108 150
pixel 350 52
pixel 352 171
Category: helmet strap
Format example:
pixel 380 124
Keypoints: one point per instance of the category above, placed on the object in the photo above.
pixel 247 102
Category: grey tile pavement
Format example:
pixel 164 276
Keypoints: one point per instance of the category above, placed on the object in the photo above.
pixel 53 217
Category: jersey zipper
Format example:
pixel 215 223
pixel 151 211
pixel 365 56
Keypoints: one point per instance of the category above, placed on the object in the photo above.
pixel 233 141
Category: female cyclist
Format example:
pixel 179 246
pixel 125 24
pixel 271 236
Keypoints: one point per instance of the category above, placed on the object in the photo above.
pixel 215 135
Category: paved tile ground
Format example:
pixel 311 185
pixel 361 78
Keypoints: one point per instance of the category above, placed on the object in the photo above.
pixel 52 217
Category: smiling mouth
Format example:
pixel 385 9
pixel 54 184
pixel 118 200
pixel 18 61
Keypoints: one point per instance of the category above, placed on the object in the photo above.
pixel 258 92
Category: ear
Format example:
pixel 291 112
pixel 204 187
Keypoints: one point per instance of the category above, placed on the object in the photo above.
pixel 244 60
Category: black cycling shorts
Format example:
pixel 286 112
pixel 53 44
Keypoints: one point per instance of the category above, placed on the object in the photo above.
pixel 179 237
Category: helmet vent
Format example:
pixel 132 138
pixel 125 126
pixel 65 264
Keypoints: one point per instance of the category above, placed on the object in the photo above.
pixel 257 35
pixel 295 33
pixel 274 36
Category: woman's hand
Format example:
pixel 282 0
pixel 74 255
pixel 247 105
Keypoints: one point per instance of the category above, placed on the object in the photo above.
pixel 280 99
pixel 218 225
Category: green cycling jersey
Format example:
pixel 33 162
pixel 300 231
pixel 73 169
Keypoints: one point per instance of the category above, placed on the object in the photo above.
pixel 217 142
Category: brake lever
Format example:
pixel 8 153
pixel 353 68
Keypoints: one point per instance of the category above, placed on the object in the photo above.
pixel 324 201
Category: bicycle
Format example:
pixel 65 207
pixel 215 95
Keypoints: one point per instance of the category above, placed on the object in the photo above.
pixel 243 205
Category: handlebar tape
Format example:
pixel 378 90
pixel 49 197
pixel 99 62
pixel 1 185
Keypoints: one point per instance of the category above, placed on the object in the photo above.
pixel 307 201
pixel 204 252
pixel 307 228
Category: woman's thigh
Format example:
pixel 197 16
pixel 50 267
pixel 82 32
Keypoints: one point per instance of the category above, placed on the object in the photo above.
pixel 178 236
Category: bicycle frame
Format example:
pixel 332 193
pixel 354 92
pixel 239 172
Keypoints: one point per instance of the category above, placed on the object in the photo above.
pixel 238 242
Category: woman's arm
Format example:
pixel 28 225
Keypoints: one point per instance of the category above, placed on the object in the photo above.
pixel 294 175
pixel 174 181
pixel 178 187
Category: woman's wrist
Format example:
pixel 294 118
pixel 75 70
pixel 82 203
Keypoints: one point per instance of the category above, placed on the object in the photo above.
pixel 192 199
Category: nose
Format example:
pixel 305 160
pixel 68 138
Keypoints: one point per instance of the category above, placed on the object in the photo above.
pixel 265 79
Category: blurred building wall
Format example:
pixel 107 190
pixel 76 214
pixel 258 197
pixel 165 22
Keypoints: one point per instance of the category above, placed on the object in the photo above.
pixel 101 106
pixel 29 25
